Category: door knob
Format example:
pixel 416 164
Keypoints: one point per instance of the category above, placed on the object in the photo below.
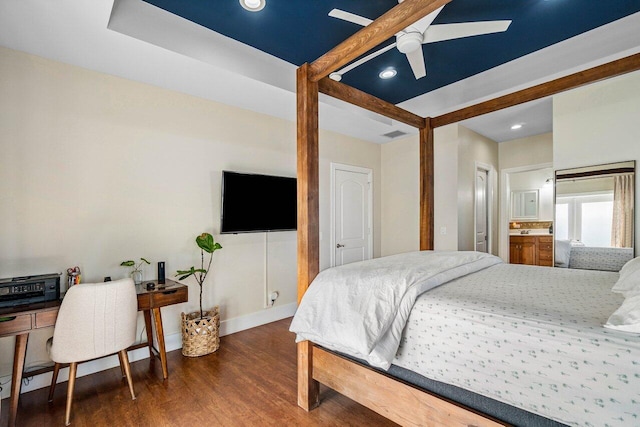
pixel 339 246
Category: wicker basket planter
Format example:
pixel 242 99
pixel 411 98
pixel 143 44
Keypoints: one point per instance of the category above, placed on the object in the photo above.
pixel 200 336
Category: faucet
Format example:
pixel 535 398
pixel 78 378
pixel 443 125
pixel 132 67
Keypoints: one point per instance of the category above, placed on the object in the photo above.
pixel 524 232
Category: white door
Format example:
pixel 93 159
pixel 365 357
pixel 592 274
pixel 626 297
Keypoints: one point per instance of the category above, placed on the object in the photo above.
pixel 352 205
pixel 482 190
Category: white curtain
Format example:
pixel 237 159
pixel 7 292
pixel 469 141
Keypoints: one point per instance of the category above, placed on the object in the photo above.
pixel 622 227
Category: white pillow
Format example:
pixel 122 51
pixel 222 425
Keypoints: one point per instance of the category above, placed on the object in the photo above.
pixel 563 252
pixel 627 317
pixel 629 281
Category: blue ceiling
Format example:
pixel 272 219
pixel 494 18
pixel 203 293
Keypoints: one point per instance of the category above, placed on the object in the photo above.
pixel 300 31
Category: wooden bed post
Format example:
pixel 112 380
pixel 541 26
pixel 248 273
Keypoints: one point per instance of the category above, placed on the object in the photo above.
pixel 308 221
pixel 426 186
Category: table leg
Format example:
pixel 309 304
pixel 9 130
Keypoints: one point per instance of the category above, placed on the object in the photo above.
pixel 16 377
pixel 149 329
pixel 160 337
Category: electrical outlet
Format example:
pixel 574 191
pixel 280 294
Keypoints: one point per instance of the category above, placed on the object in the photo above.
pixel 273 296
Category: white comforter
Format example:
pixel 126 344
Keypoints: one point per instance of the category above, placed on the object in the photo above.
pixel 531 337
pixel 360 309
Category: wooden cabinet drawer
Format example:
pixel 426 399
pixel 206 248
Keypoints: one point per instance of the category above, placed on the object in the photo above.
pixel 170 296
pixel 522 239
pixel 46 318
pixel 545 255
pixel 546 240
pixel 545 262
pixel 14 324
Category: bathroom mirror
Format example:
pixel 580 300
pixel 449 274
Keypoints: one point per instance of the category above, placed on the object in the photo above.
pixel 524 205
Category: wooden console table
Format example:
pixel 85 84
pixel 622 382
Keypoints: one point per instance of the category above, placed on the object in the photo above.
pixel 150 301
pixel 21 320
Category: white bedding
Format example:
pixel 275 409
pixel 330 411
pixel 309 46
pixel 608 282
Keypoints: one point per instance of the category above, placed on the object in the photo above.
pixel 360 309
pixel 531 337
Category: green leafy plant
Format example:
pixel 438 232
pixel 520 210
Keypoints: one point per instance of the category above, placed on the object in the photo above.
pixel 206 244
pixel 132 263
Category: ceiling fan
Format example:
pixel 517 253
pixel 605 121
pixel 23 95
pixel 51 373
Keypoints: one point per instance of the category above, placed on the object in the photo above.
pixel 410 40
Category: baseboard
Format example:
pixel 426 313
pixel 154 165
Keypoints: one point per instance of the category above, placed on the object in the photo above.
pixel 237 324
pixel 172 342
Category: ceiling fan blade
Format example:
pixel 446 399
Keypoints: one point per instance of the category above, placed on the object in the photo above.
pixel 421 25
pixel 441 32
pixel 347 16
pixel 416 60
pixel 365 59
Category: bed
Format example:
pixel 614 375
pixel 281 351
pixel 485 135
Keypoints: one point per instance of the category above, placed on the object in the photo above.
pixel 378 390
pixel 523 344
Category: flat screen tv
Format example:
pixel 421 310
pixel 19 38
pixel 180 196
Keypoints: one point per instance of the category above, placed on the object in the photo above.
pixel 253 203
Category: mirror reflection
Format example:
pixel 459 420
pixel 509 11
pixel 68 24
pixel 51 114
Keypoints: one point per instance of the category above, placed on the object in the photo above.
pixel 594 216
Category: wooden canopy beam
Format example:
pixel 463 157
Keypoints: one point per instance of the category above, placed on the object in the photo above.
pixel 308 220
pixel 572 81
pixel 426 187
pixel 383 28
pixel 362 99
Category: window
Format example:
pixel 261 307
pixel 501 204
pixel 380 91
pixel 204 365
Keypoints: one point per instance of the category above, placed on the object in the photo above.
pixel 587 218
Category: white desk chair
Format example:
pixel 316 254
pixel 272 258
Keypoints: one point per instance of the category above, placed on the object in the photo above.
pixel 95 320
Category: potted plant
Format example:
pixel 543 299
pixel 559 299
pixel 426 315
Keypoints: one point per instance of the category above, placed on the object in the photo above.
pixel 136 271
pixel 200 329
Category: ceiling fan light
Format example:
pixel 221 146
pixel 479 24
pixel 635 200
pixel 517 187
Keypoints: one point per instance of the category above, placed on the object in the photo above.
pixel 387 73
pixel 335 76
pixel 409 42
pixel 253 5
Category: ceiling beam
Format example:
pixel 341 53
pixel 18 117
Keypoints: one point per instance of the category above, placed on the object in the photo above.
pixel 383 28
pixel 581 78
pixel 369 102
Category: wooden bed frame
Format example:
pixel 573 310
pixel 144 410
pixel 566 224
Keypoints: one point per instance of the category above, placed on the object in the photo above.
pixel 394 399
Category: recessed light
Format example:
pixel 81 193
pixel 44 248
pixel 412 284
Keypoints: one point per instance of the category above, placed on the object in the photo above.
pixel 387 73
pixel 516 126
pixel 253 5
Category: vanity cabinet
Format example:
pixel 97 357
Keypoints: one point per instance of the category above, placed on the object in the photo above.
pixel 545 251
pixel 522 250
pixel 531 250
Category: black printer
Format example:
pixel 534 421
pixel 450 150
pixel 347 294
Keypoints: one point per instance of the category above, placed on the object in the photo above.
pixel 29 289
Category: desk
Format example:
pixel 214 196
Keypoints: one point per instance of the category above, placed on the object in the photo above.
pixel 25 318
pixel 150 302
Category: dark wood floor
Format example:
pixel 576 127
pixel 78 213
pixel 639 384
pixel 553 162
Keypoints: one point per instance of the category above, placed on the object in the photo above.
pixel 250 380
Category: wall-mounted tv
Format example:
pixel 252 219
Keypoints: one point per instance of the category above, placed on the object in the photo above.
pixel 253 203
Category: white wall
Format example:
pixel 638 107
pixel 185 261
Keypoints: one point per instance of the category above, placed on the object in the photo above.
pixel 456 149
pixel 96 169
pixel 532 150
pixel 445 170
pixel 401 195
pixel 598 124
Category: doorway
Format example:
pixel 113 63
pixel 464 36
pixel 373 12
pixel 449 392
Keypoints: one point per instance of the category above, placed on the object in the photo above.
pixel 507 185
pixel 482 210
pixel 351 214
